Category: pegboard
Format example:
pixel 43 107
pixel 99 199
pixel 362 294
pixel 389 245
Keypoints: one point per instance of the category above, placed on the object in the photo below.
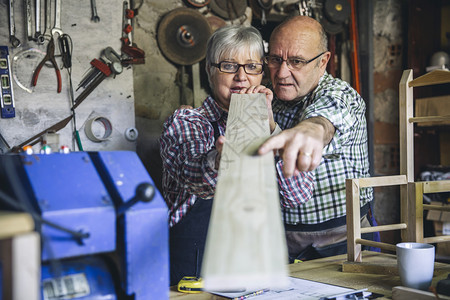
pixel 39 107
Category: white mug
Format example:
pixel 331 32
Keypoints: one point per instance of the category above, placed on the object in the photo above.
pixel 415 262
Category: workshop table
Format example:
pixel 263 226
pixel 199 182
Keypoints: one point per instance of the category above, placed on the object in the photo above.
pixel 329 270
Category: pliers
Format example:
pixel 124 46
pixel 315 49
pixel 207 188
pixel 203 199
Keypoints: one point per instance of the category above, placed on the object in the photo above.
pixel 50 56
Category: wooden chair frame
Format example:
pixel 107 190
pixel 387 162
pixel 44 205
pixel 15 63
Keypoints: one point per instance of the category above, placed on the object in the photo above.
pixel 411 193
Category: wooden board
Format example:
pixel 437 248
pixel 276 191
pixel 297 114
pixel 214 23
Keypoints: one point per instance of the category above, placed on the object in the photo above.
pixel 245 247
pixel 405 293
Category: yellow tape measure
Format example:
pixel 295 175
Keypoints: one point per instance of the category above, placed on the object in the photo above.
pixel 190 284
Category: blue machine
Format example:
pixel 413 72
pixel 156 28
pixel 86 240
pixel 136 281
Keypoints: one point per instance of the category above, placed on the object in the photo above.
pixel 103 224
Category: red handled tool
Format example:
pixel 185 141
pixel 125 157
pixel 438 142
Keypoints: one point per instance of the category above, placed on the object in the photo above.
pixel 50 56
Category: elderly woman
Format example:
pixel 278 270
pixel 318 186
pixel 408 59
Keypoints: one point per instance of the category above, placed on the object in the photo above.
pixel 192 140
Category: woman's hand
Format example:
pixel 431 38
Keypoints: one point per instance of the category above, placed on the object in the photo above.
pixel 269 97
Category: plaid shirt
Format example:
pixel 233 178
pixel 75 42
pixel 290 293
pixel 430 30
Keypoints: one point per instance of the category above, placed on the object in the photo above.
pixel 187 147
pixel 345 157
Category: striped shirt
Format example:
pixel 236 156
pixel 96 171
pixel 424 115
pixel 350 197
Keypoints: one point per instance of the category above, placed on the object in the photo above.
pixel 187 148
pixel 346 156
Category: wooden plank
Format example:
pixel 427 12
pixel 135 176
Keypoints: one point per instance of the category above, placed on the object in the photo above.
pixel 21 266
pixel 382 228
pixel 406 128
pixel 406 142
pixel 431 78
pixel 353 219
pixel 436 207
pixel 436 186
pixel 405 293
pixel 245 246
pixel 13 223
pixel 382 181
pixel 437 239
pixel 433 120
pixel 381 245
pixel 415 212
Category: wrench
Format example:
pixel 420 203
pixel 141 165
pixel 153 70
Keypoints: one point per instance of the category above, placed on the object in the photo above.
pixel 27 6
pixel 38 35
pixel 57 27
pixel 15 42
pixel 95 16
pixel 48 17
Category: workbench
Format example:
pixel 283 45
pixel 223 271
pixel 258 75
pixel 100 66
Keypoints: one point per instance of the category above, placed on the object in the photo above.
pixel 329 270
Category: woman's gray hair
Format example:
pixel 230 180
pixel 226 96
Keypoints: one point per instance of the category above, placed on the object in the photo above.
pixel 230 40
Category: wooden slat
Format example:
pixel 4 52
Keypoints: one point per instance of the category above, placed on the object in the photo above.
pixel 382 181
pixel 382 228
pixel 436 207
pixel 406 112
pixel 353 219
pixel 405 293
pixel 14 223
pixel 436 186
pixel 429 119
pixel 246 246
pixel 415 213
pixel 437 239
pixel 380 245
pixel 431 78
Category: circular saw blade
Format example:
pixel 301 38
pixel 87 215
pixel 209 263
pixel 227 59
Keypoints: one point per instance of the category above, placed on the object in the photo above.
pixel 182 36
pixel 228 9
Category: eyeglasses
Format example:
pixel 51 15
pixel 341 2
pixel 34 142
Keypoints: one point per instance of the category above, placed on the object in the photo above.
pixel 293 63
pixel 231 67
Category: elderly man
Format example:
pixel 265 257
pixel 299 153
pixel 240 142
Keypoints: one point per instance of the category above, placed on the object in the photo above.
pixel 324 131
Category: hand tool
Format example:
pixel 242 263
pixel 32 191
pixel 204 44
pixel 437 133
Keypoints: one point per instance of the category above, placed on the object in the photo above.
pixel 126 25
pixel 102 71
pixel 109 63
pixel 39 37
pixel 95 16
pixel 35 139
pixel 23 65
pixel 48 17
pixel 6 88
pixel 27 6
pixel 50 56
pixel 15 42
pixel 57 25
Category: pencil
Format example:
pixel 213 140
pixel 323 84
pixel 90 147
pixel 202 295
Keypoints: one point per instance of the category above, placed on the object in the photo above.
pixel 256 293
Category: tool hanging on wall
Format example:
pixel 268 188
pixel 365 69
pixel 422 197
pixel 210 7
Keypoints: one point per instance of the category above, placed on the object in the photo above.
pixel 6 89
pixel 23 65
pixel 15 42
pixel 182 36
pixel 108 64
pixel 131 54
pixel 66 47
pixel 94 16
pixel 36 138
pixel 50 56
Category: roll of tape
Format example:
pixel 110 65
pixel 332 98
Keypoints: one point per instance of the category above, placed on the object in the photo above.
pixel 98 133
pixel 131 134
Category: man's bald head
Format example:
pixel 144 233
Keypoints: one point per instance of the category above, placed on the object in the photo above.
pixel 296 26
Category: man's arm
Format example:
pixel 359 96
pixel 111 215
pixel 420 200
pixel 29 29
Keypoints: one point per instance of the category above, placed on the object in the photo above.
pixel 301 146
